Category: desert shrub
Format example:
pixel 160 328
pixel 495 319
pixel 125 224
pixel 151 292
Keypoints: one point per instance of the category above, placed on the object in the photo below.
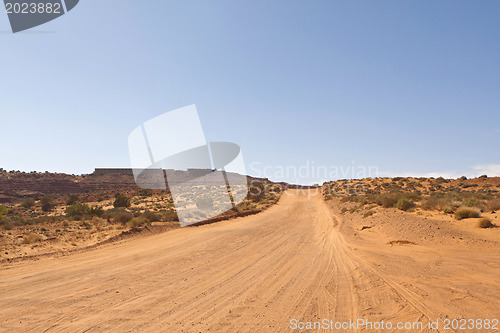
pixel 405 204
pixel 362 201
pixel 86 225
pixel 387 200
pixel 6 224
pixel 415 195
pixel 485 223
pixel 473 202
pixel 151 216
pixel 72 199
pixel 493 205
pixel 28 203
pixel 145 192
pixel 467 213
pixel 111 213
pixel 368 213
pixel 77 210
pixel 435 202
pixel 123 217
pixel 96 211
pixel 3 210
pixel 440 180
pixel 343 210
pixel 169 216
pixel 121 201
pixel 47 204
pixel 448 210
pixel 31 238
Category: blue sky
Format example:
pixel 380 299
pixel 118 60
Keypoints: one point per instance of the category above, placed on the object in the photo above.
pixel 410 87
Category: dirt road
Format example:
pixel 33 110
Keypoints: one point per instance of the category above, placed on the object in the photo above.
pixel 252 274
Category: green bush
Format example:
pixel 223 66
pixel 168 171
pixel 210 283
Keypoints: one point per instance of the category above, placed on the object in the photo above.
pixel 28 203
pixel 123 217
pixel 151 216
pixel 121 201
pixel 405 204
pixel 97 211
pixel 3 211
pixel 473 202
pixel 77 210
pixel 72 199
pixel 387 200
pixel 146 192
pixel 467 213
pixel 47 204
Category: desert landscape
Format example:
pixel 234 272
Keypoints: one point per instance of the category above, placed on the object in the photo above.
pixel 250 166
pixel 64 213
pixel 373 249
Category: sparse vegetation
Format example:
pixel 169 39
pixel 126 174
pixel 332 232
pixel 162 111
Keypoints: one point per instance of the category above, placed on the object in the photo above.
pixel 493 205
pixel 368 213
pixel 448 210
pixel 485 223
pixel 467 213
pixel 405 204
pixel 387 200
pixel 433 194
pixel 28 203
pixel 77 210
pixel 121 201
pixel 72 199
pixel 3 211
pixel 124 217
pixel 47 204
pixel 31 238
pixel 151 216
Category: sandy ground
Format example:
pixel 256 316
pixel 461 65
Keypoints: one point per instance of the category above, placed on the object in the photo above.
pixel 300 259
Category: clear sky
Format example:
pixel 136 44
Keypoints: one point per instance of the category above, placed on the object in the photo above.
pixel 409 87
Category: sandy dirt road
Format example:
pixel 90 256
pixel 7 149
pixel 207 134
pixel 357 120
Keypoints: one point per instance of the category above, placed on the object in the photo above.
pixel 252 274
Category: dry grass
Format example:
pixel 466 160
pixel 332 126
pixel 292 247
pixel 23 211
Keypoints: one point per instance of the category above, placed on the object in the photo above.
pixel 401 242
pixel 485 223
pixel 368 213
pixel 31 238
pixel 405 204
pixel 467 213
pixel 493 205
